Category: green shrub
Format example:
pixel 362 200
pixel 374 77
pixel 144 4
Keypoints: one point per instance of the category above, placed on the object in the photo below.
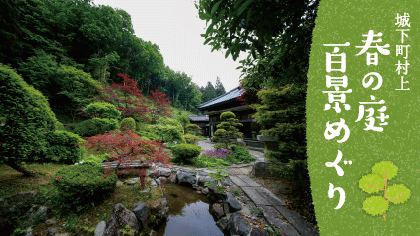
pixel 102 110
pixel 193 129
pixel 26 119
pixel 191 139
pixel 98 158
pixel 148 135
pixel 95 126
pixel 167 133
pixel 185 153
pixel 129 123
pixel 59 126
pixel 62 147
pixel 241 154
pixel 83 184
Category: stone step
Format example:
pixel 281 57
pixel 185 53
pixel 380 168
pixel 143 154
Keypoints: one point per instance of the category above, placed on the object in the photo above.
pixel 273 217
pixel 298 222
pixel 248 181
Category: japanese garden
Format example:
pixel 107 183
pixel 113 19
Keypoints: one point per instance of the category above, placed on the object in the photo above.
pixel 100 137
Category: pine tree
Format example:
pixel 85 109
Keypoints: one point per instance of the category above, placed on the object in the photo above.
pixel 220 90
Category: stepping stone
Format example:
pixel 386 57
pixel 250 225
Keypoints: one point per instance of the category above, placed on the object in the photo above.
pixel 236 180
pixel 275 201
pixel 273 217
pixel 298 222
pixel 249 181
pixel 255 196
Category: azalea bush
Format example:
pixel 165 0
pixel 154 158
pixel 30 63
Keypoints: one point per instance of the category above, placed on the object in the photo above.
pixel 222 157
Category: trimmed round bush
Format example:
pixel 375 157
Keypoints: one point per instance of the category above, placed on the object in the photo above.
pixel 26 119
pixel 62 147
pixel 193 129
pixel 129 123
pixel 185 153
pixel 191 139
pixel 81 184
pixel 102 110
pixel 95 126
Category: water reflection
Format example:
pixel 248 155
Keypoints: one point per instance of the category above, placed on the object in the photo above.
pixel 189 213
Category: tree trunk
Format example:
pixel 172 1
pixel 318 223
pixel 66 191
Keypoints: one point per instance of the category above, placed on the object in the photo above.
pixel 20 168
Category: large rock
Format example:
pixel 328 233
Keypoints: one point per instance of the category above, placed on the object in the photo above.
pixel 223 224
pixel 186 178
pixel 234 204
pixel 132 181
pixel 119 219
pixel 203 179
pixel 140 210
pixel 218 210
pixel 258 232
pixel 100 229
pixel 17 203
pixel 158 208
pixel 164 172
pixel 237 225
pixel 38 214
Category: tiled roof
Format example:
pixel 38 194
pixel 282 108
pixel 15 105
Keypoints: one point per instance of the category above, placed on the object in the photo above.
pixel 199 118
pixel 232 94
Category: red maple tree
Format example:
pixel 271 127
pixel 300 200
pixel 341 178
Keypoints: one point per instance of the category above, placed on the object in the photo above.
pixel 161 105
pixel 127 147
pixel 126 97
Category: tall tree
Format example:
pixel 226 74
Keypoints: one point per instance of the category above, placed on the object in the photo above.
pixel 220 90
pixel 209 92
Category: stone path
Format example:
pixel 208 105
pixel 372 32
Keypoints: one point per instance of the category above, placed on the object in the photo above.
pixel 285 220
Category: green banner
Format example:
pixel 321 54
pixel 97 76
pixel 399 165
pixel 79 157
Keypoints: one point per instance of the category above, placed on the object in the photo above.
pixel 363 117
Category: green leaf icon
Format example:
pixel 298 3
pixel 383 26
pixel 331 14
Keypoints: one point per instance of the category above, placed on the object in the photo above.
pixel 377 181
pixel 385 167
pixel 398 193
pixel 371 183
pixel 375 205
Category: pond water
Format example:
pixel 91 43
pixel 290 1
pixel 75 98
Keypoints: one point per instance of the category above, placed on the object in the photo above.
pixel 189 213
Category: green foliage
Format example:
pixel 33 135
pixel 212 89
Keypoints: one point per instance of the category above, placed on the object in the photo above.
pixel 296 171
pixel 228 129
pixel 128 231
pixel 59 126
pixel 191 139
pixel 183 120
pixel 185 153
pixel 149 135
pixel 62 147
pixel 102 110
pixel 95 126
pixel 167 133
pixel 27 116
pixel 83 184
pixel 373 183
pixel 193 129
pixel 98 158
pixel 129 123
pixel 241 154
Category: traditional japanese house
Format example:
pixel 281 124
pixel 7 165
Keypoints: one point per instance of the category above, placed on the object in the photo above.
pixel 229 102
pixel 202 122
